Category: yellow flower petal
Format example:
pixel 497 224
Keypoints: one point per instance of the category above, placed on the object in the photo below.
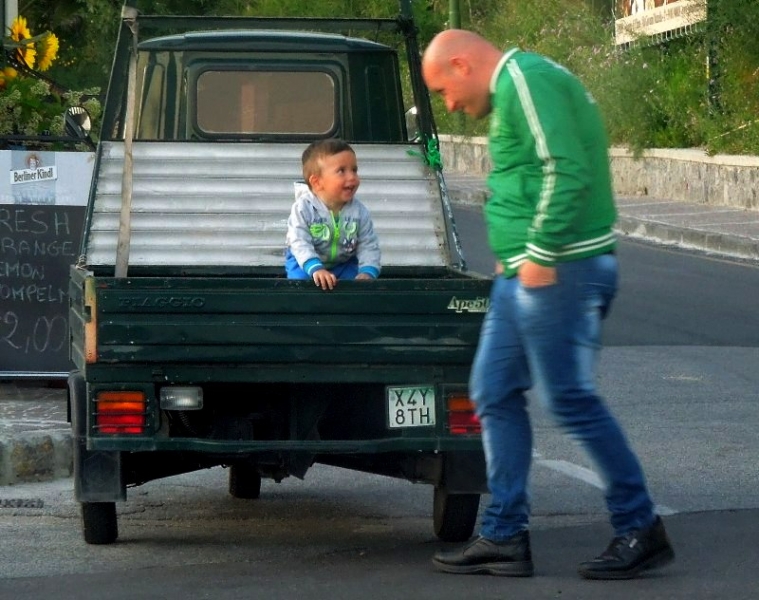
pixel 48 51
pixel 19 29
pixel 27 55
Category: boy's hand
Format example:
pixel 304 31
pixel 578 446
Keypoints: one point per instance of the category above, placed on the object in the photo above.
pixel 324 279
pixel 364 276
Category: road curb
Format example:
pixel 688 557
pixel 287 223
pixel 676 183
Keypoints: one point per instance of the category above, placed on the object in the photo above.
pixel 726 244
pixel 469 195
pixel 468 192
pixel 36 456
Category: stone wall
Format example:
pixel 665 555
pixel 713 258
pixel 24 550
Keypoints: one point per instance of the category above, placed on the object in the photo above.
pixel 683 175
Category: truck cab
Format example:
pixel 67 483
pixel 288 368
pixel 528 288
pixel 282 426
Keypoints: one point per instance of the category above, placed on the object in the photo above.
pixel 268 86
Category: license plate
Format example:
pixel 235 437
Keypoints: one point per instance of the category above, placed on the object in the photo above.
pixel 410 406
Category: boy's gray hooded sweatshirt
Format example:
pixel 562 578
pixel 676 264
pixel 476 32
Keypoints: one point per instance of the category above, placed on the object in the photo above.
pixel 317 239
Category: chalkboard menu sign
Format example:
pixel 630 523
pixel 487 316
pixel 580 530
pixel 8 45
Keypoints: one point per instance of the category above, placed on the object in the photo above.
pixel 41 219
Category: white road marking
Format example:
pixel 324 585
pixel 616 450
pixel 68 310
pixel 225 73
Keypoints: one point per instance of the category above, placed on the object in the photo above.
pixel 574 471
pixel 587 476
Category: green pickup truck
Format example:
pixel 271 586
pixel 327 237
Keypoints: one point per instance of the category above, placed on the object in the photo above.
pixel 192 349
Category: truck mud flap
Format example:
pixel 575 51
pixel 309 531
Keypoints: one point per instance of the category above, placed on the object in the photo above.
pixel 465 472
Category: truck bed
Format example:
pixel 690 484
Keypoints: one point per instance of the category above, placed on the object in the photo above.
pixel 212 205
pixel 271 328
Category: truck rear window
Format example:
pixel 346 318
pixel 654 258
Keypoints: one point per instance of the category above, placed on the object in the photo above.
pixel 265 102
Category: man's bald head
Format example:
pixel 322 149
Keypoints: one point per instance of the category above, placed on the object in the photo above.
pixel 458 65
pixel 456 42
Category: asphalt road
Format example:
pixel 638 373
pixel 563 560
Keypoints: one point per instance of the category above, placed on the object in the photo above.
pixel 680 372
pixel 667 296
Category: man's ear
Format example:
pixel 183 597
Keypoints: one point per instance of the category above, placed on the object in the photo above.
pixel 460 65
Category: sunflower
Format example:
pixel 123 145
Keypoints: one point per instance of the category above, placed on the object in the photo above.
pixel 19 31
pixel 48 51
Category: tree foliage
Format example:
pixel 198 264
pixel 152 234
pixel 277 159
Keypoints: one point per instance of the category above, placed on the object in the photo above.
pixel 653 94
pixel 88 28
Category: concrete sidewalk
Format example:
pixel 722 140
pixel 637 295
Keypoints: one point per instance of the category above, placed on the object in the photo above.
pixel 35 437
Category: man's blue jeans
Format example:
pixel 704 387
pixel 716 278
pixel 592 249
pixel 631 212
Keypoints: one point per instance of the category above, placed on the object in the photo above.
pixel 550 337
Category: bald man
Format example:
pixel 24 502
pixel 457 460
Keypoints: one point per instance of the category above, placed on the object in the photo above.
pixel 549 220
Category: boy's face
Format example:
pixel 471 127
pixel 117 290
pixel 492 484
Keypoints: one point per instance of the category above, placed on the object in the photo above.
pixel 337 182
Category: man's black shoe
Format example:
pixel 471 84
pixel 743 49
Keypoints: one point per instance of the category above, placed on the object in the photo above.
pixel 511 558
pixel 630 554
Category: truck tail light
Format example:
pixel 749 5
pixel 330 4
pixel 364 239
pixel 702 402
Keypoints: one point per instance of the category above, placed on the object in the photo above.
pixel 120 412
pixel 461 417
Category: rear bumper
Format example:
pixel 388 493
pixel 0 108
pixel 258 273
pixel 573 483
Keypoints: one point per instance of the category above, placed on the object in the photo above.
pixel 376 446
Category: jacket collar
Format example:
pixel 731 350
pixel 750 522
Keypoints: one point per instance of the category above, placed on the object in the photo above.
pixel 499 68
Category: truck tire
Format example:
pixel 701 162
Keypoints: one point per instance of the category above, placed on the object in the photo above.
pixel 454 515
pixel 100 522
pixel 244 481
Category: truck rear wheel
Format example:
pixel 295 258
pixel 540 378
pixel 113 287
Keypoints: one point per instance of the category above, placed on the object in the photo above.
pixel 454 515
pixel 244 481
pixel 100 522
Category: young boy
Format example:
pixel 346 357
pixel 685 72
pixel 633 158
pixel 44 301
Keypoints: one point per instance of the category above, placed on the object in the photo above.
pixel 330 235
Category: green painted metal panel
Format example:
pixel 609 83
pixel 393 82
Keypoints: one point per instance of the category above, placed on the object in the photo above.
pixel 240 321
pixel 253 373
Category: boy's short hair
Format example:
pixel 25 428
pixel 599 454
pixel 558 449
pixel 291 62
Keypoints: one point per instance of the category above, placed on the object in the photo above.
pixel 319 149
